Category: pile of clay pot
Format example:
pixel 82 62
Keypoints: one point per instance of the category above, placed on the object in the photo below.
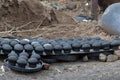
pixel 30 55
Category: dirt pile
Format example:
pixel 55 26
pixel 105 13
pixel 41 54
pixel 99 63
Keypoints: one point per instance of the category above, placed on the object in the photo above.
pixel 18 15
pixel 24 11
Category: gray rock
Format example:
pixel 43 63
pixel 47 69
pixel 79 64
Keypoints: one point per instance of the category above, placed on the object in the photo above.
pixel 111 19
pixel 112 58
pixel 102 57
pixel 71 6
pixel 117 52
pixel 85 59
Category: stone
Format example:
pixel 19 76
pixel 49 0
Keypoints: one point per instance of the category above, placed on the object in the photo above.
pixel 102 57
pixel 117 52
pixel 85 59
pixel 112 58
pixel 46 66
pixel 111 19
pixel 71 6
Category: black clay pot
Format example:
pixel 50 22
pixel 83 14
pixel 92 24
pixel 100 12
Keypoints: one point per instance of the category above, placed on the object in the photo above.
pixel 24 54
pixel 5 41
pixel 53 42
pixel 35 44
pixel 87 38
pixel 28 48
pixel 86 47
pixel 12 60
pixel 43 42
pixel 12 53
pixel 62 43
pixel 48 49
pixel 37 56
pixel 39 50
pixel 96 46
pixel 105 45
pixel 6 48
pixel 69 40
pixel 21 63
pixel 58 49
pixel 18 48
pixel 14 42
pixel 67 48
pixel 24 41
pixel 32 62
pixel 115 44
pixel 76 46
